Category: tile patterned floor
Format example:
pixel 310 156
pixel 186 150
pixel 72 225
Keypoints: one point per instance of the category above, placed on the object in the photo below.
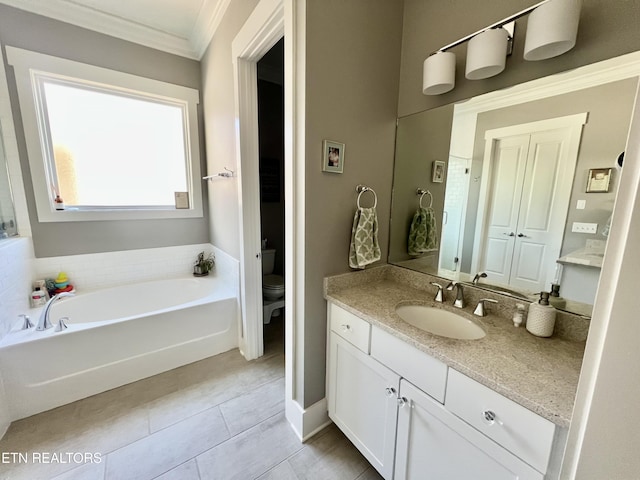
pixel 220 418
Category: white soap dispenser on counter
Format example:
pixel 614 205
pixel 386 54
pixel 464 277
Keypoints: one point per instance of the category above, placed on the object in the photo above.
pixel 541 319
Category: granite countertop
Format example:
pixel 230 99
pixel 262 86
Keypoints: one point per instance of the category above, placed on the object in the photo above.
pixel 541 374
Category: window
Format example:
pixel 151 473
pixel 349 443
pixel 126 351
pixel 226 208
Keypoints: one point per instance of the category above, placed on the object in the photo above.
pixel 111 145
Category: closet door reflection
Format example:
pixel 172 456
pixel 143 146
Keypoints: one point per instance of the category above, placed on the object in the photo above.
pixel 527 182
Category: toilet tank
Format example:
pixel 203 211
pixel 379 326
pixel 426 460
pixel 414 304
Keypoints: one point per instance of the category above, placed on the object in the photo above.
pixel 268 261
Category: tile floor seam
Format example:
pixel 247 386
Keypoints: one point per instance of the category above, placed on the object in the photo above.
pixel 173 467
pixel 302 446
pixel 258 385
pixel 177 423
pixel 198 468
pixel 275 467
pixel 195 457
pixel 245 430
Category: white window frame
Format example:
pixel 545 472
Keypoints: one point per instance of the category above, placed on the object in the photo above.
pixel 32 69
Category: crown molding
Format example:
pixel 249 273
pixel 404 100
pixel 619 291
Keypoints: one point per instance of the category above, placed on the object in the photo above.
pixel 192 47
pixel 206 24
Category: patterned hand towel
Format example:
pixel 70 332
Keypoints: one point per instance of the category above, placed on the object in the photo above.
pixel 423 234
pixel 364 248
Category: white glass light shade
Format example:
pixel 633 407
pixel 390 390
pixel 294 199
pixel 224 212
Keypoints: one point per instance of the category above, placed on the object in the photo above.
pixel 552 29
pixel 439 73
pixel 487 54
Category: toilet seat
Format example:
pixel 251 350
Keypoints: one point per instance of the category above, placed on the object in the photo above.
pixel 272 281
pixel 272 286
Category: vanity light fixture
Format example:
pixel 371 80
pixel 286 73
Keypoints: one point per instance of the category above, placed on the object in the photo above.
pixel 439 73
pixel 551 31
pixel 487 53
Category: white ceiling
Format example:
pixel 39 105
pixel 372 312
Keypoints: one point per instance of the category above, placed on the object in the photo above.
pixel 181 27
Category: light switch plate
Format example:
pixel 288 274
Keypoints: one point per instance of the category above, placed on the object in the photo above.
pixel 579 227
pixel 581 204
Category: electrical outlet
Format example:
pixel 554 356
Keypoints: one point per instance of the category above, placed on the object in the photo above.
pixel 579 227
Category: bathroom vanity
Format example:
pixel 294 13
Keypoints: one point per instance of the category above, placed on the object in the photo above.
pixel 418 405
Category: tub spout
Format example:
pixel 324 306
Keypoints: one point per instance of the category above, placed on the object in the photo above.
pixel 44 322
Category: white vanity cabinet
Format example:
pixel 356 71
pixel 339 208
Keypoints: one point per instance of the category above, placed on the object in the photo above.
pixel 434 444
pixel 413 417
pixel 362 393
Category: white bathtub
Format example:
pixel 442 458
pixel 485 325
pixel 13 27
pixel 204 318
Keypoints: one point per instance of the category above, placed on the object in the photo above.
pixel 116 336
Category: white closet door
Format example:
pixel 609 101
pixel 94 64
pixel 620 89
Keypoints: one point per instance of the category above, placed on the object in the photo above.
pixel 508 167
pixel 543 209
pixel 524 199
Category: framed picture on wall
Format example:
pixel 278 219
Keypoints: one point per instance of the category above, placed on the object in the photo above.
pixel 437 171
pixel 599 180
pixel 332 156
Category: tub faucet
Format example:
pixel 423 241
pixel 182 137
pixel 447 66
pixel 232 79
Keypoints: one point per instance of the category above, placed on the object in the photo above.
pixel 459 301
pixel 44 322
pixel 478 276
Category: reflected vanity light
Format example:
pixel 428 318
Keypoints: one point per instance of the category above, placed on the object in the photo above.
pixel 551 31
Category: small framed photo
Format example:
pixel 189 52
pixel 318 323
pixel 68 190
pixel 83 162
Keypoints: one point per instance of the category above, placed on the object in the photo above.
pixel 599 180
pixel 332 156
pixel 437 171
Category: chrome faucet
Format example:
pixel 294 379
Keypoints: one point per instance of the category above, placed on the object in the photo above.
pixel 440 295
pixel 481 308
pixel 459 301
pixel 43 321
pixel 478 276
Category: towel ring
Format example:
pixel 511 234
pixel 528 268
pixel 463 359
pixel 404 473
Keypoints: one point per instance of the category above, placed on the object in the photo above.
pixel 362 189
pixel 422 193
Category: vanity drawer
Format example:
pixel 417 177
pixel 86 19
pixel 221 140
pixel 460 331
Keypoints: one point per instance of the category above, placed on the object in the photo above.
pixel 519 430
pixel 424 371
pixel 353 329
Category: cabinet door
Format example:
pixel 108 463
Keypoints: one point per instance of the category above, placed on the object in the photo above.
pixel 363 402
pixel 434 444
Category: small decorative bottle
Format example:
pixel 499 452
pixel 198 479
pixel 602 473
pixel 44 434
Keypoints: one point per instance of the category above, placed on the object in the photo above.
pixel 541 319
pixel 555 299
pixel 59 202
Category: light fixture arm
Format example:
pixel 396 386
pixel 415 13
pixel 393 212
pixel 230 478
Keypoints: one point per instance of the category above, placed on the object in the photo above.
pixel 501 23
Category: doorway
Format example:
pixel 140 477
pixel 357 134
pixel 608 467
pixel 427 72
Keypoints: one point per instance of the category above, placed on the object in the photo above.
pixel 270 87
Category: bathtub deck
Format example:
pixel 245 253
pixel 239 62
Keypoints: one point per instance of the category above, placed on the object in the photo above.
pixel 221 417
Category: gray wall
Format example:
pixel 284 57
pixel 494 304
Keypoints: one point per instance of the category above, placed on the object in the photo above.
pixel 40 34
pixel 608 28
pixel 220 134
pixel 353 60
pixel 420 140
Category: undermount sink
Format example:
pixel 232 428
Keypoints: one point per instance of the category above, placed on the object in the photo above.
pixel 440 322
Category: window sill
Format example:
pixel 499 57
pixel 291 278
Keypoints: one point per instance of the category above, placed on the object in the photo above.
pixel 84 215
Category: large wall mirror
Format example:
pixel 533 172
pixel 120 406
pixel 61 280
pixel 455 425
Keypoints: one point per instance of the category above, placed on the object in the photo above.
pixel 529 184
pixel 8 226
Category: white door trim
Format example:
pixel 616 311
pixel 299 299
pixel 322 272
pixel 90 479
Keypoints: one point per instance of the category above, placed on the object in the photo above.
pixel 270 20
pixel 261 31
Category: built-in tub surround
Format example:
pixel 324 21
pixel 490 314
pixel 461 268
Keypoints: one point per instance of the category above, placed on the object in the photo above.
pixel 539 374
pixel 102 270
pixel 116 336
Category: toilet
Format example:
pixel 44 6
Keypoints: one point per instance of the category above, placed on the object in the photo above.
pixel 272 287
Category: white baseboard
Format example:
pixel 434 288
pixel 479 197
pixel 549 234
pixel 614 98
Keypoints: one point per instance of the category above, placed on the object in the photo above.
pixel 307 422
